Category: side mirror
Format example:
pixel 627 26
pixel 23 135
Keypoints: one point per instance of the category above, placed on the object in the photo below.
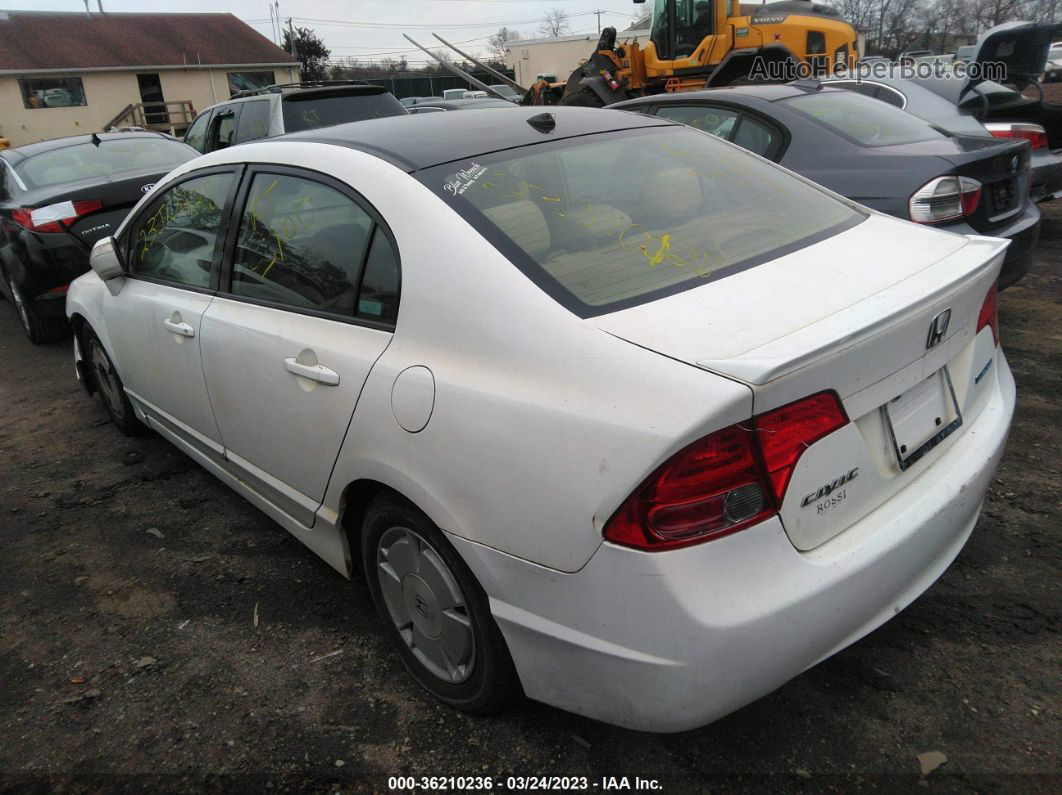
pixel 105 261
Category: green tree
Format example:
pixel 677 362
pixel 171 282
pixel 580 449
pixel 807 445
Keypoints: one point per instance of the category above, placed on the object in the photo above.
pixel 310 51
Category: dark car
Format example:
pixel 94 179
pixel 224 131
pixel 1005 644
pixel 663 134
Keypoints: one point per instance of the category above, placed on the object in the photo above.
pixel 435 106
pixel 276 110
pixel 876 155
pixel 927 99
pixel 960 100
pixel 57 198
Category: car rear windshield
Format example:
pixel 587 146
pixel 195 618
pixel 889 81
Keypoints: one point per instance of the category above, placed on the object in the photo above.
pixel 607 221
pixel 310 110
pixel 111 158
pixel 865 121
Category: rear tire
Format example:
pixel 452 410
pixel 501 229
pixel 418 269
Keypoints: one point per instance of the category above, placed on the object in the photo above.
pixel 109 385
pixel 435 612
pixel 39 330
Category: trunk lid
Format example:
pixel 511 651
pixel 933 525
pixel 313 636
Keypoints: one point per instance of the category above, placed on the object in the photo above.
pixel 1003 172
pixel 117 195
pixel 857 320
pixel 1021 46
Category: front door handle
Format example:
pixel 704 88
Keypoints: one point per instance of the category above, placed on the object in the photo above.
pixel 314 372
pixel 179 328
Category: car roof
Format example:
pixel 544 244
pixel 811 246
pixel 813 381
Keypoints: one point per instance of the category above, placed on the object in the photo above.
pixel 771 92
pixel 285 90
pixel 20 153
pixel 467 104
pixel 413 143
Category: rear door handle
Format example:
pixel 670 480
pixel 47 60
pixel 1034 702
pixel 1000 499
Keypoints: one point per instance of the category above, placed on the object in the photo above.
pixel 314 372
pixel 179 328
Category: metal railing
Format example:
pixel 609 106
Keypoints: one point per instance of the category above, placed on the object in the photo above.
pixel 169 117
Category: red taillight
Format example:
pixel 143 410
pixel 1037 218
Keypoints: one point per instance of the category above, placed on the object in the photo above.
pixel 1033 133
pixel 726 481
pixel 988 315
pixel 54 217
pixel 786 432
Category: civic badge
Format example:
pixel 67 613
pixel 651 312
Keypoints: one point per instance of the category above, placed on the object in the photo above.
pixel 937 329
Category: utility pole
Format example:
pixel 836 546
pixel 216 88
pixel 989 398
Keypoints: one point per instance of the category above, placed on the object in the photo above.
pixel 599 13
pixel 291 36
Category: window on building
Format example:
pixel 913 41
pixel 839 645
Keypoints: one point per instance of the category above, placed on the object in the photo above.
pixel 52 92
pixel 249 81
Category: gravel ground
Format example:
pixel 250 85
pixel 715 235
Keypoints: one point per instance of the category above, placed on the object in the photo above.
pixel 131 657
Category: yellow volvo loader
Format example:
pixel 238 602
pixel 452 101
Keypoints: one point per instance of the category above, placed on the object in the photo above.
pixel 696 44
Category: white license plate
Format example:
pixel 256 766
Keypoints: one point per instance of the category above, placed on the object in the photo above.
pixel 922 417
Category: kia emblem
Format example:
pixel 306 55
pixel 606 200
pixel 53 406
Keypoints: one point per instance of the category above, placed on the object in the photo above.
pixel 937 329
pixel 146 188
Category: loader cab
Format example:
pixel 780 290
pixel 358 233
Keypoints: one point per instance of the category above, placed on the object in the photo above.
pixel 681 27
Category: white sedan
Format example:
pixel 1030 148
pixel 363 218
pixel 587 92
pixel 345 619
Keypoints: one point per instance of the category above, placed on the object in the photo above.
pixel 604 408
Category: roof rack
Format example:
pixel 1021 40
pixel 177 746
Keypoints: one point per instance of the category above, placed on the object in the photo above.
pixel 279 88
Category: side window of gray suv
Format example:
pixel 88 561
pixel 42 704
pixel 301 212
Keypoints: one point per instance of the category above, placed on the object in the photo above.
pixel 196 137
pixel 223 127
pixel 254 121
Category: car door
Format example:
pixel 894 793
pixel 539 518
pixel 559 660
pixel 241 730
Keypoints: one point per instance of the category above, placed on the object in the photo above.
pixel 172 251
pixel 308 302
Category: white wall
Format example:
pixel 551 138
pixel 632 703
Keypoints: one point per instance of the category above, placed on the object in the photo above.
pixel 106 94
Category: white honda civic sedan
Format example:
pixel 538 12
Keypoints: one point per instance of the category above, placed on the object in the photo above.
pixel 604 408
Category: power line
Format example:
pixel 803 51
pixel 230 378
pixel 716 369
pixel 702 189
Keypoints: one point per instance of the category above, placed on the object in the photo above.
pixel 440 25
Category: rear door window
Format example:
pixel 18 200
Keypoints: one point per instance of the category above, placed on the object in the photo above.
pixel 602 222
pixel 305 245
pixel 726 123
pixel 714 121
pixel 223 128
pixel 254 121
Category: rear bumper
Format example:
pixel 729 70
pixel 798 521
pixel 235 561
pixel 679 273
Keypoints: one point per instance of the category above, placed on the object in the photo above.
pixel 1019 257
pixel 1023 232
pixel 670 641
pixel 1045 176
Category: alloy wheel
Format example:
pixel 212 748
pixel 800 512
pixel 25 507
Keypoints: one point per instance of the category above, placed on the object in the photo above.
pixel 426 605
pixel 20 305
pixel 106 379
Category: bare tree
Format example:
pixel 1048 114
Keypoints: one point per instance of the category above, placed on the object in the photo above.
pixel 500 41
pixel 555 23
pixel 643 21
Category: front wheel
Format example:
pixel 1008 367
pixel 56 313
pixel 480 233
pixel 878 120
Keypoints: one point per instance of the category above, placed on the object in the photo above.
pixel 436 613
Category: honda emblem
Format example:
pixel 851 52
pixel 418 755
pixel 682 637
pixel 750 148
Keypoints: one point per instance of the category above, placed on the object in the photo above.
pixel 937 329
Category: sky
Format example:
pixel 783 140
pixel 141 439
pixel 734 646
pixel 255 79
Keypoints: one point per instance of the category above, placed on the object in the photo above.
pixel 374 28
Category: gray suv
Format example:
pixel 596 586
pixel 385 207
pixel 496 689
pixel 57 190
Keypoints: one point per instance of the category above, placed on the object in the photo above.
pixel 294 107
